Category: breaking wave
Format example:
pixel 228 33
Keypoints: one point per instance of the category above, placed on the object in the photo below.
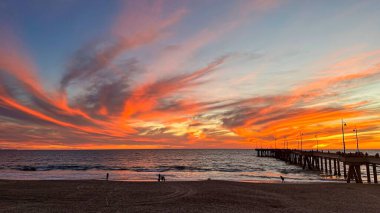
pixel 121 168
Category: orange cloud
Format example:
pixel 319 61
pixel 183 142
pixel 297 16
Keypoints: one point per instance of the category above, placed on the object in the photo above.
pixel 110 109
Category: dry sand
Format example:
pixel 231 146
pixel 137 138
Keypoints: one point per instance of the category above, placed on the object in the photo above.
pixel 201 196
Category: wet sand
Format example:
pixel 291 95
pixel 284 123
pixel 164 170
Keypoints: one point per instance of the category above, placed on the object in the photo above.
pixel 198 196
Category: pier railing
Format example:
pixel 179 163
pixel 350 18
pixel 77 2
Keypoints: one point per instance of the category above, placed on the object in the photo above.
pixel 323 161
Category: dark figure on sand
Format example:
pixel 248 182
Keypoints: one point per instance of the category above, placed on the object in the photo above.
pixel 282 179
pixel 161 178
pixel 107 176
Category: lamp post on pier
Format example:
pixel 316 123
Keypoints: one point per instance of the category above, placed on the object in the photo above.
pixel 287 143
pixel 301 134
pixel 316 138
pixel 275 147
pixel 357 140
pixel 344 144
pixel 298 142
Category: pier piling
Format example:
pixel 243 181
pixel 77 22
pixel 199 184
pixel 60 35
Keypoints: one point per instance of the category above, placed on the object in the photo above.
pixel 374 173
pixel 321 164
pixel 330 170
pixel 338 168
pixel 368 173
pixel 344 170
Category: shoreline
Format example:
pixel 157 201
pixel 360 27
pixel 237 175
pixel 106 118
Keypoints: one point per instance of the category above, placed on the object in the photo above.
pixel 322 181
pixel 185 196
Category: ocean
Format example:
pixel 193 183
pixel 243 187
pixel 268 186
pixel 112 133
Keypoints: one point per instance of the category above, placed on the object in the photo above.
pixel 145 165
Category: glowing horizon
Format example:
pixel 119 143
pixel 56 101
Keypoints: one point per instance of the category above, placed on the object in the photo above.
pixel 189 74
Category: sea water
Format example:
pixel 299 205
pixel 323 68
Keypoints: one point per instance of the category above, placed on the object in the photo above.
pixel 145 165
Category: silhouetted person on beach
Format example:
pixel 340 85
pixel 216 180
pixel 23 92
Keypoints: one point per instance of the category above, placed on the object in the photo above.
pixel 162 178
pixel 282 179
pixel 107 176
pixel 159 178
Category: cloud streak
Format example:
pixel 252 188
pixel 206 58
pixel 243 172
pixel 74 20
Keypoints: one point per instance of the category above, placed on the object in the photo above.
pixel 112 96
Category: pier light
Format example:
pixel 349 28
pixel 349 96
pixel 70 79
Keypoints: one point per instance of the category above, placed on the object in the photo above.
pixel 301 134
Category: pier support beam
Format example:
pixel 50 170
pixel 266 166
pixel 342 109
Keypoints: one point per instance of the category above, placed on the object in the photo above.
pixel 326 165
pixel 368 173
pixel 322 164
pixel 330 170
pixel 338 167
pixel 354 173
pixel 344 170
pixel 316 161
pixel 309 163
pixel 335 172
pixel 304 162
pixel 318 164
pixel 359 173
pixel 374 173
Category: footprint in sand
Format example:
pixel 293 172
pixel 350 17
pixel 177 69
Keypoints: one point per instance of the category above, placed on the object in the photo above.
pixel 179 191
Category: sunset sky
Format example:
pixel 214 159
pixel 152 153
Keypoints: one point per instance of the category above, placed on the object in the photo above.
pixel 106 74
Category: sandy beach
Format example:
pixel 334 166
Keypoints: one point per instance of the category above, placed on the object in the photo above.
pixel 197 196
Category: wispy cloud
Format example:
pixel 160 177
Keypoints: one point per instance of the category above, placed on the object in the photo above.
pixel 111 97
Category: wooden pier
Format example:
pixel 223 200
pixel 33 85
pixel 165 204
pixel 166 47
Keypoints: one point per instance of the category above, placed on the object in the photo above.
pixel 328 163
